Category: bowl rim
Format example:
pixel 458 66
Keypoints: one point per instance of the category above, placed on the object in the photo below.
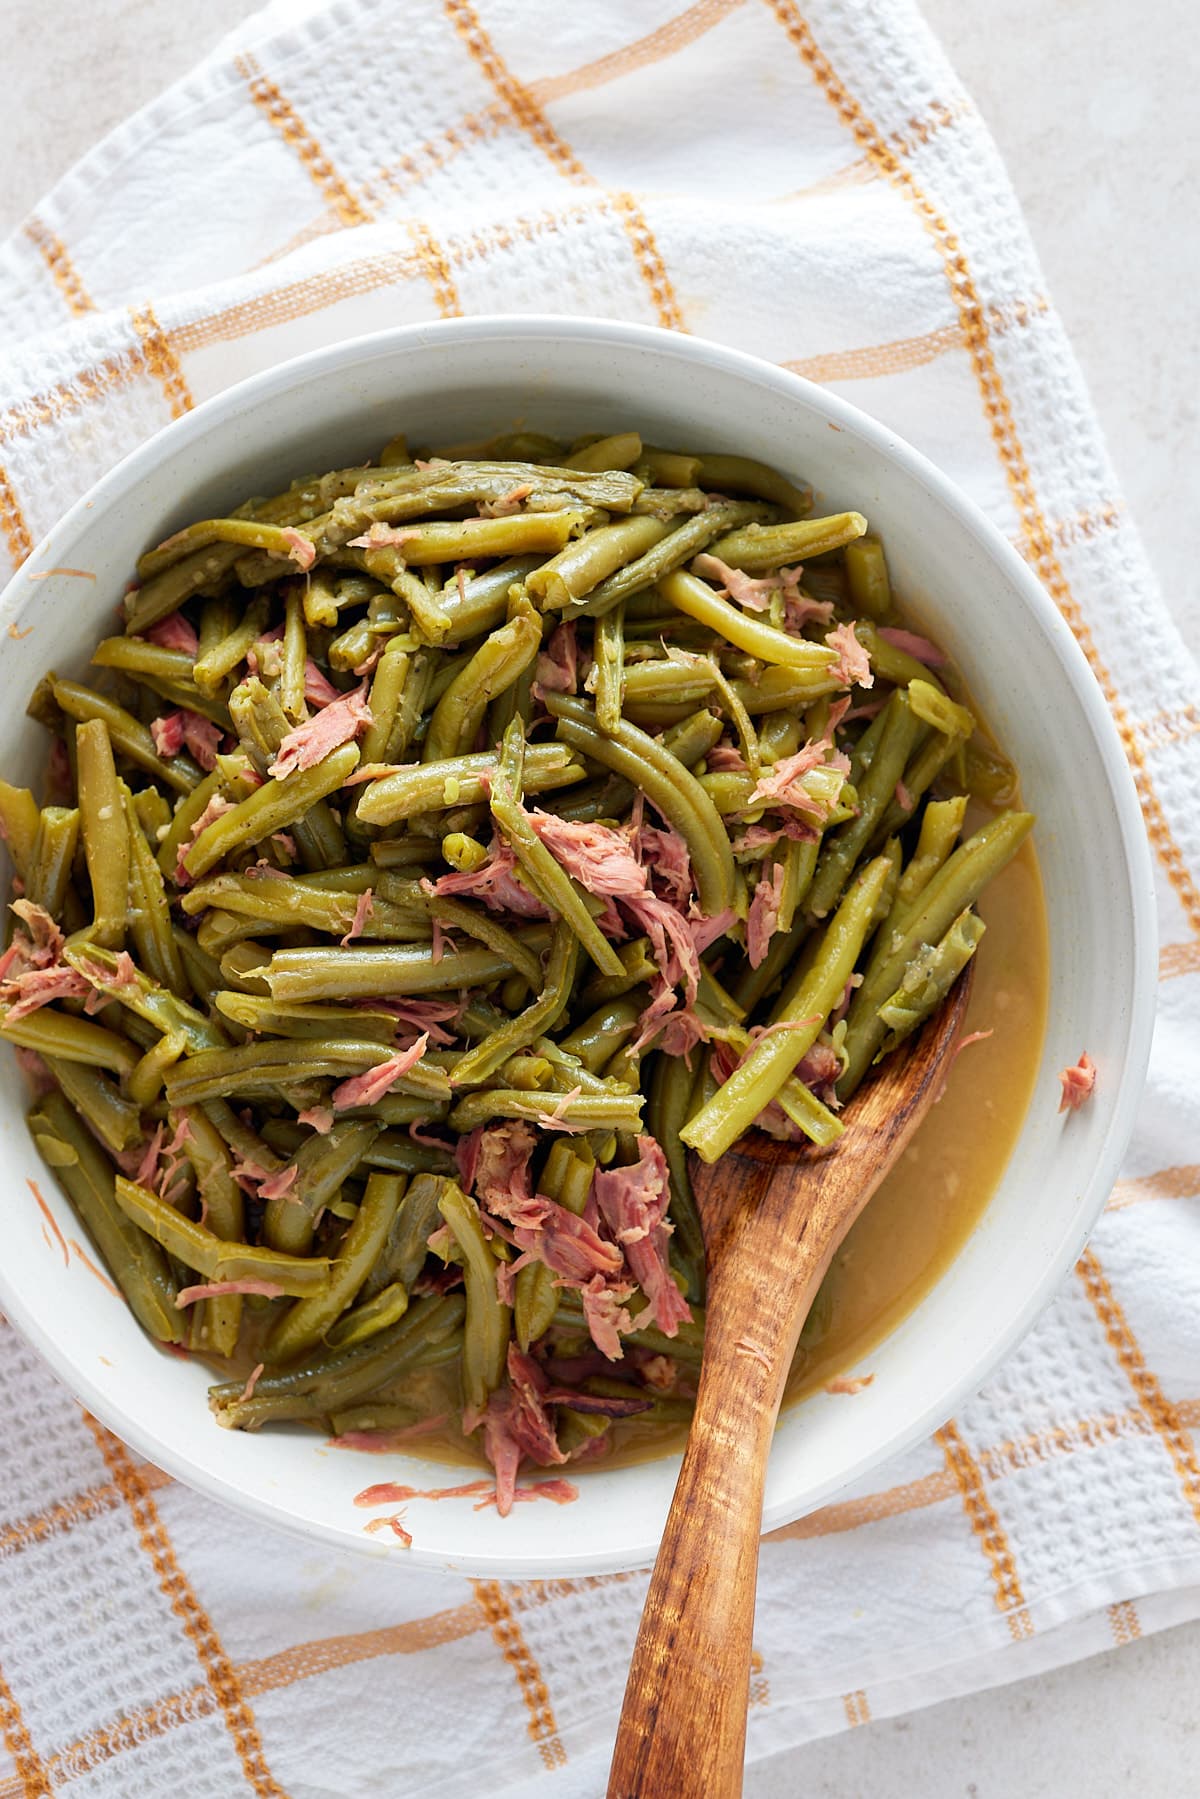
pixel 221 411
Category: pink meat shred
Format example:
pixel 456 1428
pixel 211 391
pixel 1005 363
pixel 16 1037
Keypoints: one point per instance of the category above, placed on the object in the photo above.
pixel 557 669
pixel 174 633
pixel 427 1015
pixel 507 504
pixel 783 783
pixel 217 806
pixel 633 1203
pixel 337 723
pixel 279 1186
pixel 517 1424
pixel 384 537
pixel 39 987
pixel 496 882
pixel 725 758
pixel 319 1118
pixel 665 854
pixel 189 1296
pixel 184 729
pixel 319 690
pixel 252 1380
pixel 362 913
pixel 919 648
pixel 301 549
pixel 853 665
pixel 605 1314
pixel 763 919
pixel 1078 1083
pixel 753 592
pixel 31 972
pixel 366 1089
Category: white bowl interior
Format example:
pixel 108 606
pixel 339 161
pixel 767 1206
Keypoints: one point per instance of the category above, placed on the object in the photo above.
pixel 449 382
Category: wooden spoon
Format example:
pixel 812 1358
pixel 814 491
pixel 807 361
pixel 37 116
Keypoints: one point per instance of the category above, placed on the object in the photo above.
pixel 773 1215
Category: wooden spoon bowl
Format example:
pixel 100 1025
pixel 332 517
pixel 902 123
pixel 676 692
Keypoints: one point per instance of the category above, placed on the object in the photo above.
pixel 773 1216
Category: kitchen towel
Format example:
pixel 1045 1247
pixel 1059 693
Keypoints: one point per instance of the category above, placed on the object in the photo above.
pixel 815 186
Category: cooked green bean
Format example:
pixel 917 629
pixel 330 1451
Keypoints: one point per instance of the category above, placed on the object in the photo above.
pixel 488 1322
pixel 272 807
pixel 326 1380
pixel 53 1033
pixel 494 667
pixel 105 832
pixel 928 978
pixel 19 820
pixel 373 1315
pixel 99 1102
pixel 136 1263
pixel 669 552
pixel 49 866
pixel 341 974
pixel 210 1255
pixel 756 548
pixel 807 1001
pixel 579 569
pixel 460 781
pixel 842 848
pixel 618 452
pixel 484 1058
pixel 150 909
pixel 926 919
pixel 774 647
pixel 867 577
pixel 542 872
pixel 667 783
pixel 308 1321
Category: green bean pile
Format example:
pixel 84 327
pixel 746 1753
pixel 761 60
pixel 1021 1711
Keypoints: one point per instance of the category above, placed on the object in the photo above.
pixel 449 844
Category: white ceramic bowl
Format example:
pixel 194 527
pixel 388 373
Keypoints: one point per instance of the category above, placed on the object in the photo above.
pixel 463 379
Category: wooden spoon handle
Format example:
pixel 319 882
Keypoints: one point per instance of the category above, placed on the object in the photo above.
pixel 683 1724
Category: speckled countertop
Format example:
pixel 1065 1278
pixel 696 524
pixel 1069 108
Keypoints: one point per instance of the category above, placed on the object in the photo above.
pixel 1094 110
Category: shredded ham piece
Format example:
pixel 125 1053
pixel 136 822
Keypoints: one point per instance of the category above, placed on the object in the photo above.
pixel 362 913
pixel 252 1381
pixel 384 537
pixel 428 1015
pixel 366 1089
pixel 320 1118
pixel 762 921
pixel 319 690
pixel 301 549
pixel 919 648
pixel 848 1383
pixel 339 722
pixel 783 783
pixel 25 993
pixel 189 1296
pixel 216 808
pixel 31 972
pixel 753 592
pixel 853 666
pixel 507 504
pixel 279 1186
pixel 181 728
pixel 496 882
pixel 1078 1083
pixel 557 669
pixel 174 633
pixel 633 1203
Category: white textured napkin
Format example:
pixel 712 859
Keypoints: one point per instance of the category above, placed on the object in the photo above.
pixel 816 188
